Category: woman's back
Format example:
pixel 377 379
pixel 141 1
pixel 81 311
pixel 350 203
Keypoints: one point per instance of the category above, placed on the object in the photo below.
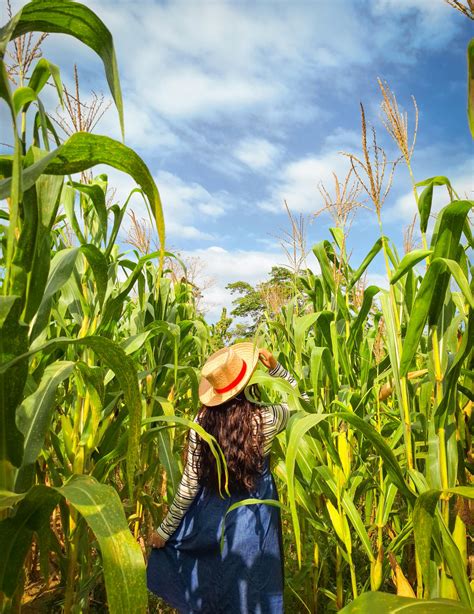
pixel 222 557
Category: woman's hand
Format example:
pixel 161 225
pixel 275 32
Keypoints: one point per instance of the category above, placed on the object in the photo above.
pixel 156 541
pixel 267 359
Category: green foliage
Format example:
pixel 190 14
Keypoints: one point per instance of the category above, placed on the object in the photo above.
pixel 267 297
pixel 99 382
pixel 53 299
pixel 220 332
pixel 76 20
pixel 362 481
pixel 383 602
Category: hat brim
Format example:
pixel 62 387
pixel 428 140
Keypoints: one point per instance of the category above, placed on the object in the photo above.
pixel 248 351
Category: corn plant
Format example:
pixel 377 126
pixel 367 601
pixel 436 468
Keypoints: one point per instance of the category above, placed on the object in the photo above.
pixel 377 466
pixel 57 306
pixel 100 351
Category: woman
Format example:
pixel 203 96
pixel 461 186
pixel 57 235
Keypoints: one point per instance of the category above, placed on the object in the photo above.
pixel 186 566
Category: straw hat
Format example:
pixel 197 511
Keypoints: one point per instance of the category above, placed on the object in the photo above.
pixel 227 372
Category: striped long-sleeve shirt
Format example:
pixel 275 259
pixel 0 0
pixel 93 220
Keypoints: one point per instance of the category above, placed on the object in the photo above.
pixel 274 420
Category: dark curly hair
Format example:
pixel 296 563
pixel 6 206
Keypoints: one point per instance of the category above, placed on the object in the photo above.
pixel 237 427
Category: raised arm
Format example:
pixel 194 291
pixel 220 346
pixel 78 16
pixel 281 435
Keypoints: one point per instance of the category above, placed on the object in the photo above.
pixel 185 493
pixel 279 371
pixel 275 417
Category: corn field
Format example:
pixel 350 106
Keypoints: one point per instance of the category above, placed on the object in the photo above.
pixel 100 353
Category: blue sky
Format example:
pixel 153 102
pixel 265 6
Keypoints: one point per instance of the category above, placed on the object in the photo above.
pixel 237 106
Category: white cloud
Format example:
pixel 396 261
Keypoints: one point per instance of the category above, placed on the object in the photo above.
pixel 226 266
pixel 298 182
pixel 405 206
pixel 185 205
pixel 188 68
pixel 420 24
pixel 190 92
pixel 376 279
pixel 258 154
pixel 430 10
pixel 209 60
pixel 144 130
pixel 343 139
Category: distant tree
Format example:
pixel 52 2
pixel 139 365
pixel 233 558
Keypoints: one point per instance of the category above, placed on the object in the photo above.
pixel 249 301
pixel 252 302
pixel 242 332
pixel 221 333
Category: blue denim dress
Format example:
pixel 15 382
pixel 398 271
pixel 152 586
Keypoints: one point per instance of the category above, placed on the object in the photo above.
pixel 191 573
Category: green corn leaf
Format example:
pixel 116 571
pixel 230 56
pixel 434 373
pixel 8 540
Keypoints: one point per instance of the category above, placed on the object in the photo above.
pixel 321 356
pixel 136 342
pixel 470 85
pixel 97 196
pixel 48 189
pixel 315 370
pixel 124 568
pixel 33 417
pixel 356 326
pixel 350 509
pixel 389 459
pixel 426 198
pixel 124 369
pixel 446 243
pixel 301 326
pixel 6 33
pixel 61 267
pixel 15 180
pixel 68 198
pixel 423 519
pixel 99 504
pixel 273 383
pixel 22 97
pixel 425 201
pixel 459 278
pixel 389 498
pixel 33 511
pixel 426 301
pixel 423 514
pixel 408 262
pixel 167 459
pixel 99 267
pixel 125 372
pixel 74 19
pixel 83 151
pixel 302 424
pixel 209 439
pixel 338 235
pixel 448 401
pixel 10 499
pixel 320 250
pixel 115 304
pixel 118 214
pixel 447 547
pixel 385 603
pixel 32 252
pixel 43 124
pixel 377 246
pixel 438 180
pixel 305 459
pixel 13 345
pixel 41 74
